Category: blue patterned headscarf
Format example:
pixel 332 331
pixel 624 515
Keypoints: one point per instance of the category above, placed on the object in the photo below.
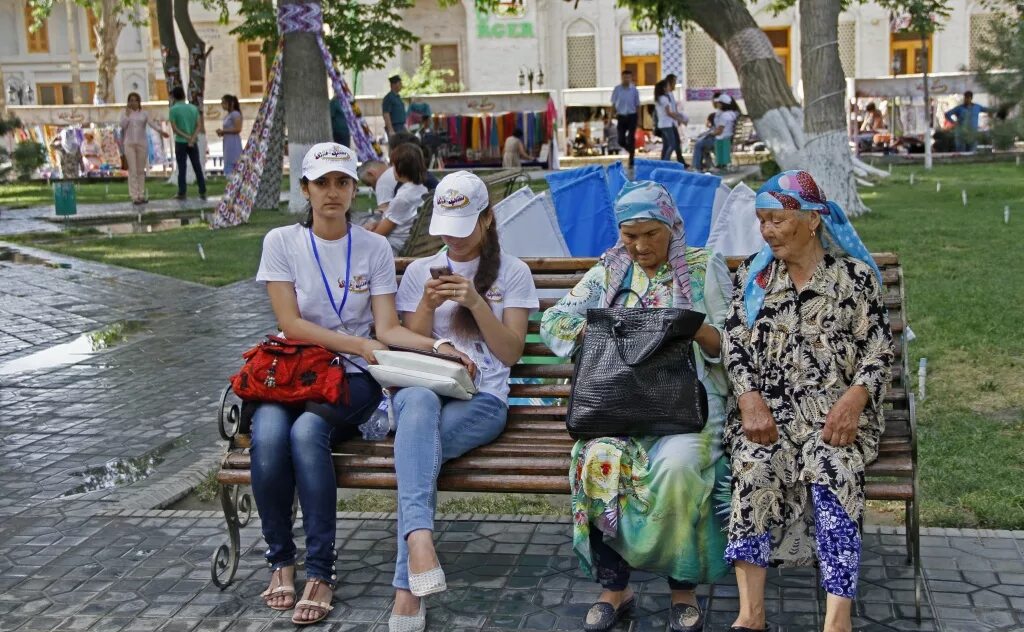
pixel 797 190
pixel 642 201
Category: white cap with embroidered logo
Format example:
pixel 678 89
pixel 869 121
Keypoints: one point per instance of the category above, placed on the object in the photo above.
pixel 459 198
pixel 324 158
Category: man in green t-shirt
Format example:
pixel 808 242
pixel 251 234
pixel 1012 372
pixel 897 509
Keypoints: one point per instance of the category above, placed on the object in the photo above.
pixel 185 121
pixel 394 108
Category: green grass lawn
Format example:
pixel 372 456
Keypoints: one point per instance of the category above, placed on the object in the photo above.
pixel 25 194
pixel 965 297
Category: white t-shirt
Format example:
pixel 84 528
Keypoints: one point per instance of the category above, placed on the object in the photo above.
pixel 288 256
pixel 402 211
pixel 513 288
pixel 667 103
pixel 384 190
pixel 727 120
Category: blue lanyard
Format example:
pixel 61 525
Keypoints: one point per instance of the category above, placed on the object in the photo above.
pixel 348 274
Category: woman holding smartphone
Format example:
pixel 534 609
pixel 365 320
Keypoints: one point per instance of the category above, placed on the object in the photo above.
pixel 328 282
pixel 480 300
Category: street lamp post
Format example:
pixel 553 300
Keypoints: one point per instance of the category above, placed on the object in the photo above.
pixel 527 75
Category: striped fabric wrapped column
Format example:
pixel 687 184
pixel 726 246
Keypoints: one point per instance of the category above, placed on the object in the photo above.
pixel 672 51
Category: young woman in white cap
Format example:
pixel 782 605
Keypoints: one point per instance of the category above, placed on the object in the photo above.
pixel 481 300
pixel 328 282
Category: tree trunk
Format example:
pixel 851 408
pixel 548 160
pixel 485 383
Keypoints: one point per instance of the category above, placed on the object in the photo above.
pixel 768 98
pixel 307 115
pixel 71 10
pixel 196 53
pixel 108 31
pixel 168 45
pixel 268 196
pixel 827 145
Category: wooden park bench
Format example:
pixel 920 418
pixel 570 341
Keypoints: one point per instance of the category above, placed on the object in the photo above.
pixel 532 454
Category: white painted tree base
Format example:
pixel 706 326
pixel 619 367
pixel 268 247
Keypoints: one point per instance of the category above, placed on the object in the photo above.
pixel 865 170
pixel 826 156
pixel 829 160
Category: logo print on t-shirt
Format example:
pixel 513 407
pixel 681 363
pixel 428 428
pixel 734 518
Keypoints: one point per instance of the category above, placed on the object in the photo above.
pixel 360 284
pixel 495 294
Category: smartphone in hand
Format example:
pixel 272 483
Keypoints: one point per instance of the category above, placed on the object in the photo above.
pixel 440 271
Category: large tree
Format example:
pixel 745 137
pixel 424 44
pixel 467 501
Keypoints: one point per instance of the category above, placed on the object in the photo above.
pixel 359 35
pixel 111 16
pixel 777 115
pixel 306 104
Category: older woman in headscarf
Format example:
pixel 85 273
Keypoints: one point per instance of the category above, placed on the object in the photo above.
pixel 652 503
pixel 809 353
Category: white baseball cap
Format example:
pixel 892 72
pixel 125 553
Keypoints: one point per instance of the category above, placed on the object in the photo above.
pixel 324 158
pixel 459 199
pixel 724 98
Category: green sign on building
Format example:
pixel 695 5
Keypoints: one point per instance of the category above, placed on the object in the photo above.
pixel 485 28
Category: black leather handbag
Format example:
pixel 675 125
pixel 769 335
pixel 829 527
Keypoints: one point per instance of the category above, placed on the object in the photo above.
pixel 636 374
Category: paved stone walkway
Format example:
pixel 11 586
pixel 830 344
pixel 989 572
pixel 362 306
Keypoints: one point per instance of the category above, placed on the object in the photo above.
pixel 90 449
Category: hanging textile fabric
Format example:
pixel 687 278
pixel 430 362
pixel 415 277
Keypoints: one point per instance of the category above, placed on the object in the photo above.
pixel 237 203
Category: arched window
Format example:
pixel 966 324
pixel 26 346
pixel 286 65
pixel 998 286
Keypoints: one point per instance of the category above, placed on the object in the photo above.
pixel 581 55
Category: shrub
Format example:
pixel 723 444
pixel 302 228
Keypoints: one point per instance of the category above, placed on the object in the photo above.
pixel 770 168
pixel 27 157
pixel 1004 133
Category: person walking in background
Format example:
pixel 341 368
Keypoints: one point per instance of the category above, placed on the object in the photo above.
pixel 725 127
pixel 231 132
pixel 965 118
pixel 669 118
pixel 136 146
pixel 185 124
pixel 626 103
pixel 394 109
pixel 339 124
pixel 515 152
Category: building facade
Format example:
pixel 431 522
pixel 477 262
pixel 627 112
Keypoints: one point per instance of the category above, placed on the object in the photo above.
pixel 566 46
pixel 36 65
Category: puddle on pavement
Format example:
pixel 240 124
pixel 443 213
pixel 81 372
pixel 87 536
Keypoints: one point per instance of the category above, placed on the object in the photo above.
pixel 74 351
pixel 9 255
pixel 120 472
pixel 136 228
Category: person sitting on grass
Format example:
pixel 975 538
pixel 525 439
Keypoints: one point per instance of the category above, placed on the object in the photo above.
pixel 809 353
pixel 329 282
pixel 481 299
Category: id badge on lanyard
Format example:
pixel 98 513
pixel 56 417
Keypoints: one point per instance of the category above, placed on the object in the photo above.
pixel 338 309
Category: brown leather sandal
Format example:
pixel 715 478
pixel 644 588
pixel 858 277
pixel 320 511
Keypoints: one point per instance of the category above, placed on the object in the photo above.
pixel 282 590
pixel 321 608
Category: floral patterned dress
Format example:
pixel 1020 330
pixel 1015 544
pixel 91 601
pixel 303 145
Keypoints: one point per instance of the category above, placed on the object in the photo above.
pixel 804 351
pixel 659 502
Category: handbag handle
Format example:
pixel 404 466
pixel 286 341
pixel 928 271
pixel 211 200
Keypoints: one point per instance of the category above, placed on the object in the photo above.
pixel 627 290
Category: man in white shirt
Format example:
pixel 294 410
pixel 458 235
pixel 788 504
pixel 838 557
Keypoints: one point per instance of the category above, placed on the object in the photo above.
pixel 381 177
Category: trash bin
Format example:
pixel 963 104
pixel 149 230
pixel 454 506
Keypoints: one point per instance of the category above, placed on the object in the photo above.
pixel 64 199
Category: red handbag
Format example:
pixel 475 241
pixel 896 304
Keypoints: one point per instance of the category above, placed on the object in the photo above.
pixel 291 372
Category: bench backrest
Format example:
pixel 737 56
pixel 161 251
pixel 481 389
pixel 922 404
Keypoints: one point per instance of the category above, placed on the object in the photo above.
pixel 549 375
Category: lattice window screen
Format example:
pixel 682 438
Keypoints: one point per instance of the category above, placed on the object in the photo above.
pixel 701 60
pixel 581 54
pixel 981 23
pixel 848 47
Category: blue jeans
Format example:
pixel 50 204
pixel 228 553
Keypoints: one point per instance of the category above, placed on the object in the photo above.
pixel 183 154
pixel 432 430
pixel 965 139
pixel 703 145
pixel 291 448
pixel 670 141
